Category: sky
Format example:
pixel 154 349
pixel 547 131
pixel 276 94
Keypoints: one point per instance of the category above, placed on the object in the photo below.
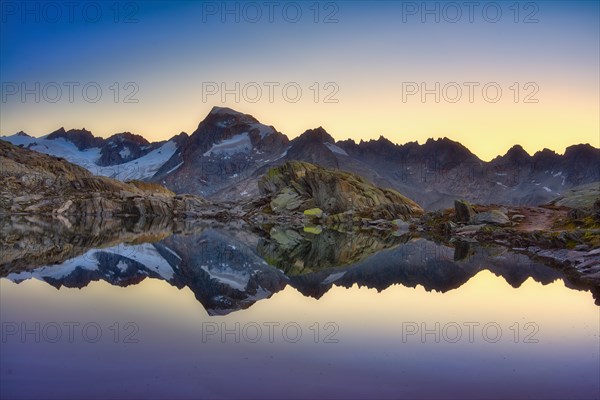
pixel 487 74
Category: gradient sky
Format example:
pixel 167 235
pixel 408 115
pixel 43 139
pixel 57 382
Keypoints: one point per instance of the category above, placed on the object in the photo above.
pixel 169 49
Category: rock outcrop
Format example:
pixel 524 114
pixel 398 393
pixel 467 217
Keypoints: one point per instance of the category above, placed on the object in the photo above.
pixel 300 186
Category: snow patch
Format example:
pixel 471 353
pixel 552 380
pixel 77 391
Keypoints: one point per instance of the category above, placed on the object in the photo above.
pixel 263 130
pixel 172 252
pixel 125 152
pixel 122 266
pixel 147 255
pixel 228 276
pixel 336 149
pixel 333 277
pixel 237 144
pixel 175 167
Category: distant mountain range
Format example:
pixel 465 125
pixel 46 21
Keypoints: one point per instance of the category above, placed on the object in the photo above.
pixel 229 151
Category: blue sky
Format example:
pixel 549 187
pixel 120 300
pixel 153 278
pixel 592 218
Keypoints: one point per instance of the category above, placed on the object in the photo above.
pixel 368 50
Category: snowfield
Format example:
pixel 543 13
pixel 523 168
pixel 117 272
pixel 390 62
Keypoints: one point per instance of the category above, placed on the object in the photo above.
pixel 140 168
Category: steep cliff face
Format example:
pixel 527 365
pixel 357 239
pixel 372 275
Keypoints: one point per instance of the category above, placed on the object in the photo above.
pixel 32 182
pixel 301 186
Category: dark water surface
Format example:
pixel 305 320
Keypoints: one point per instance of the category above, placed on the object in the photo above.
pixel 156 309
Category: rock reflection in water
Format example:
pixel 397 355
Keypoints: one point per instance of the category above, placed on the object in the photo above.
pixel 229 267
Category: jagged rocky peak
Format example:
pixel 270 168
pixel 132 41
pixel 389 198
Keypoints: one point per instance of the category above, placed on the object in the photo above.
pixel 546 159
pixel 82 138
pixel 546 154
pixel 517 153
pixel 582 152
pixel 380 146
pixel 123 147
pixel 223 117
pixel 315 146
pixel 21 133
pixel 127 137
pixel 180 139
pixel 446 145
pixel 318 135
pixel 445 151
pixel 223 123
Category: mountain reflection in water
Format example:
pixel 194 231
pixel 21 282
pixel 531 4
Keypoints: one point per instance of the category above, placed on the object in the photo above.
pixel 230 267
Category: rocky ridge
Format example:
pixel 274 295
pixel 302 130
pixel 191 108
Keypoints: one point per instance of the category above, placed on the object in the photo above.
pixel 227 154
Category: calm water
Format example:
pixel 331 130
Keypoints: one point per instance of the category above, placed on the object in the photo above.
pixel 157 310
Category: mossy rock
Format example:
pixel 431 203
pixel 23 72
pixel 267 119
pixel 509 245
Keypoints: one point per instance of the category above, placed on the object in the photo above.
pixel 315 230
pixel 314 212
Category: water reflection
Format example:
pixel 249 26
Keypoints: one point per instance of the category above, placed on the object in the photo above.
pixel 230 267
pixel 368 284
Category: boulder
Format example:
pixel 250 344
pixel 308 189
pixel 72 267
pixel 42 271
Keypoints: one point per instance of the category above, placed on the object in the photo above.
pixel 287 199
pixel 463 211
pixel 493 217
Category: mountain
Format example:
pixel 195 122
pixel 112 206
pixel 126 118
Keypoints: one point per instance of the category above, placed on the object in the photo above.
pixel 226 155
pixel 37 183
pixel 315 146
pixel 81 138
pixel 123 156
pixel 226 149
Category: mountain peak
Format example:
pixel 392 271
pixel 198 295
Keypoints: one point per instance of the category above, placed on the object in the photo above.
pixel 128 137
pixel 224 111
pixel 318 134
pixel 517 152
pixel 180 139
pixel 224 117
pixel 81 138
pixel 314 146
pixel 446 150
pixel 582 151
pixel 60 131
